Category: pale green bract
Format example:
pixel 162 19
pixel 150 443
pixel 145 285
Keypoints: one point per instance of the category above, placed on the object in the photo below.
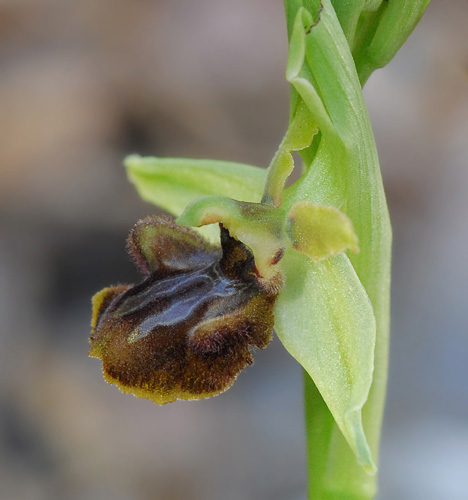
pixel 325 321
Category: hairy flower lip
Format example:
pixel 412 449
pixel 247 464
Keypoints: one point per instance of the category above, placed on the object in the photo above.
pixel 187 329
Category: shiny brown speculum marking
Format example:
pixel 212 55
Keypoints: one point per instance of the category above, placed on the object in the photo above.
pixel 186 330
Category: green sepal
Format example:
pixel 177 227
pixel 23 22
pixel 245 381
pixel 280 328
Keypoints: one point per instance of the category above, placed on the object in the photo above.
pixel 325 320
pixel 173 183
pixel 319 231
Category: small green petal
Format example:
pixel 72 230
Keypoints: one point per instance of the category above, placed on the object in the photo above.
pixel 320 231
pixel 299 135
pixel 301 130
pixel 280 169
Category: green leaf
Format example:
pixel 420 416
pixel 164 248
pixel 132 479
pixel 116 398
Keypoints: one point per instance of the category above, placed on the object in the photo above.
pixel 325 320
pixel 319 231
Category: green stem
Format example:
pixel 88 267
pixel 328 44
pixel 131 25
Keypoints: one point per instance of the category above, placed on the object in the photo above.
pixel 325 453
pixel 331 467
pixel 319 427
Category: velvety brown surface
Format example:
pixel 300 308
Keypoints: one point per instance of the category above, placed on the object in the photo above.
pixel 186 330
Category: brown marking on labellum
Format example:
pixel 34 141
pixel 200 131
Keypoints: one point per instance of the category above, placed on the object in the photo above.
pixel 277 257
pixel 186 330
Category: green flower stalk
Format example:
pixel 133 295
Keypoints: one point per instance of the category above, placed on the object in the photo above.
pixel 313 258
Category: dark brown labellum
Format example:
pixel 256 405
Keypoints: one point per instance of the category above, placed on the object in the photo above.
pixel 185 331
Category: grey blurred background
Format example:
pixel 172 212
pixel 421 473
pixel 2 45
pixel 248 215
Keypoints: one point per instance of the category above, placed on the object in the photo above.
pixel 82 84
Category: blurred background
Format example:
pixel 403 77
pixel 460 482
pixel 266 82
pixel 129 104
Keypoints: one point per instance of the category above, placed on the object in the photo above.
pixel 82 84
